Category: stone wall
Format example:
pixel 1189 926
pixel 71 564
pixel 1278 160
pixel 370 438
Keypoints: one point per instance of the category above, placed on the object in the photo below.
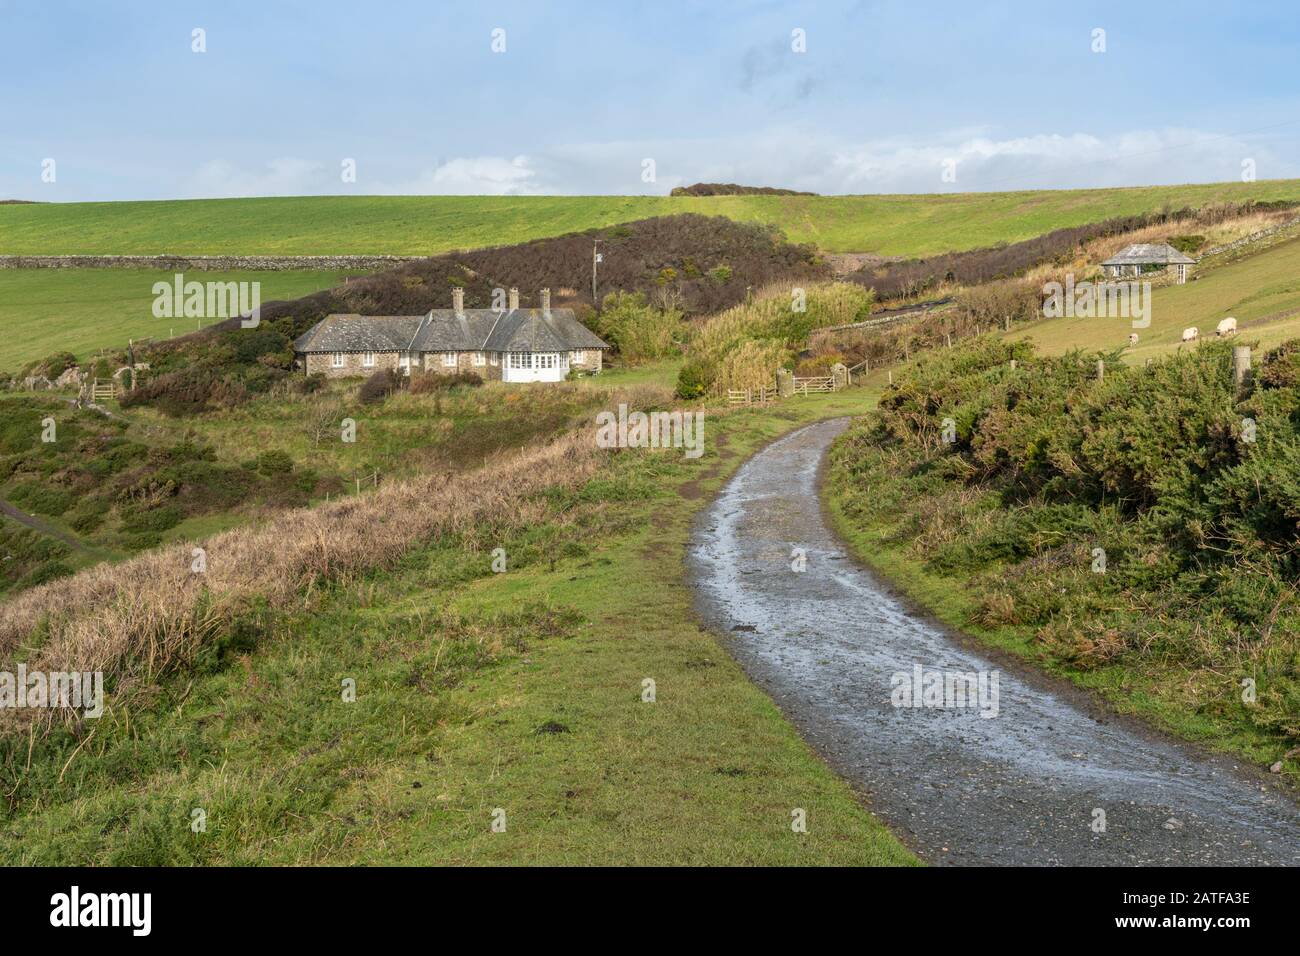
pixel 1252 238
pixel 323 362
pixel 435 363
pixel 207 263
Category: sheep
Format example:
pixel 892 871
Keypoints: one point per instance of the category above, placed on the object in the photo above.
pixel 1190 334
pixel 1132 339
pixel 1227 327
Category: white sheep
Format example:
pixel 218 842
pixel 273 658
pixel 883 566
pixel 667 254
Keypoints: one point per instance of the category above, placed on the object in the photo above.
pixel 1227 327
pixel 1190 334
pixel 1132 339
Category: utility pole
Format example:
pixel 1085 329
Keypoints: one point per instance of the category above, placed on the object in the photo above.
pixel 596 257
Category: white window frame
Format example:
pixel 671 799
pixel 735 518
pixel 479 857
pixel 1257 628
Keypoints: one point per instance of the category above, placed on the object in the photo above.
pixel 480 358
pixel 521 360
pixel 338 360
pixel 575 357
pixel 494 357
pixel 368 359
pixel 449 359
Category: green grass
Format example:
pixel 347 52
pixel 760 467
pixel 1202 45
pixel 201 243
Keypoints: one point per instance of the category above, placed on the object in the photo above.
pixel 43 311
pixel 1155 692
pixel 897 225
pixel 475 691
pixel 1256 290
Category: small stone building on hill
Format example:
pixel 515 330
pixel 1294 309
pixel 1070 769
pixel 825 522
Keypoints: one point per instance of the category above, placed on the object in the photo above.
pixel 1147 257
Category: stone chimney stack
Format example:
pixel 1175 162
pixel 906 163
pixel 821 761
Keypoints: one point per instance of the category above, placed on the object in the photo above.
pixel 458 300
pixel 514 299
pixel 546 301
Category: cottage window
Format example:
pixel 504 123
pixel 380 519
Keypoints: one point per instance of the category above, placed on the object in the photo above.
pixel 546 360
pixel 449 359
pixel 368 359
pixel 521 360
pixel 480 358
pixel 338 359
pixel 493 357
pixel 575 357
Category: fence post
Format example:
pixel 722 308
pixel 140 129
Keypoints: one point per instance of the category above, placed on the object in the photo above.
pixel 1240 365
pixel 1101 369
pixel 784 383
pixel 839 376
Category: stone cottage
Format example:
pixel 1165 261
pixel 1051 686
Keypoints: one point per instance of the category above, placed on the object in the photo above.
pixel 1145 257
pixel 514 345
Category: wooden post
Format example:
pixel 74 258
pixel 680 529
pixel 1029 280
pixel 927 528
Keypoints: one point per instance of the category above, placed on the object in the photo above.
pixel 1007 320
pixel 1101 369
pixel 891 376
pixel 1013 365
pixel 947 338
pixel 1240 365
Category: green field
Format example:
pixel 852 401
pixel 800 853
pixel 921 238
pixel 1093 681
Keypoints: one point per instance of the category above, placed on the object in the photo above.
pixel 43 311
pixel 902 225
pixel 1262 292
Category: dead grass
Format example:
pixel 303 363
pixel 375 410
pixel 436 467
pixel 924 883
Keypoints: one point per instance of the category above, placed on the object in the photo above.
pixel 136 620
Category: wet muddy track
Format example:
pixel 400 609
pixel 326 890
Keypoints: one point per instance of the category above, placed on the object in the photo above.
pixel 1021 787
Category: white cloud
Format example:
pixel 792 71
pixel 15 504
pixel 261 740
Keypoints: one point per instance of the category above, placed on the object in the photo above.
pixel 478 176
pixel 1042 161
pixel 792 157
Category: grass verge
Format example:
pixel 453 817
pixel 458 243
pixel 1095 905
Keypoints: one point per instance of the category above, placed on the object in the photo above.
pixel 475 692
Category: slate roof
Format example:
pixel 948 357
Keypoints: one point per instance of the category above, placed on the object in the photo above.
pixel 442 330
pixel 1145 253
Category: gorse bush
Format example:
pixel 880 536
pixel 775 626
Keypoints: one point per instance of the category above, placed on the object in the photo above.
pixel 1188 489
pixel 639 331
pixel 745 345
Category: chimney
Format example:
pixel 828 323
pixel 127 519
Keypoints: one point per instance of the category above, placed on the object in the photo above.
pixel 546 302
pixel 514 299
pixel 458 300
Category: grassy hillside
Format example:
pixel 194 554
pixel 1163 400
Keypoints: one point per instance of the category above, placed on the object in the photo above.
pixel 43 311
pixel 1261 291
pixel 905 225
pixel 475 691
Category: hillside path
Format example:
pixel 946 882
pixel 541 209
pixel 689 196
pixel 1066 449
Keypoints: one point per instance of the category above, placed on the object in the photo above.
pixel 1022 787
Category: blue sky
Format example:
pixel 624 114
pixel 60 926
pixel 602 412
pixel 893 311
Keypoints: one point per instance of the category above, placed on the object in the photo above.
pixel 883 97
